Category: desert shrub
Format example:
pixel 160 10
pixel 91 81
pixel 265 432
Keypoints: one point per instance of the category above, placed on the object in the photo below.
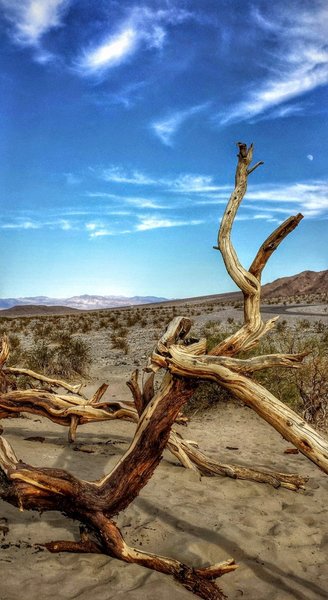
pixel 103 323
pixel 70 356
pixel 305 389
pixel 41 357
pixel 120 343
pixel 14 342
pixel 86 326
pixel 207 395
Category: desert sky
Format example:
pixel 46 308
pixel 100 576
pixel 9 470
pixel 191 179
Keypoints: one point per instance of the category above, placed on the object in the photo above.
pixel 119 123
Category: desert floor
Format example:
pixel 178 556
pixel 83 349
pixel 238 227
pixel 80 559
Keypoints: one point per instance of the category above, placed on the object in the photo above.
pixel 278 537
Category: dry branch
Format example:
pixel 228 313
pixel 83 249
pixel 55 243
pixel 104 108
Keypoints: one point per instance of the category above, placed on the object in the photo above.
pixel 291 426
pixel 40 377
pixel 95 503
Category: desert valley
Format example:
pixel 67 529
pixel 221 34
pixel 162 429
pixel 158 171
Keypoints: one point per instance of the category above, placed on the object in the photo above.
pixel 278 537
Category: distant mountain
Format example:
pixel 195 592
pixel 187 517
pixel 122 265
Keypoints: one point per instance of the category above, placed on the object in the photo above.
pixel 307 282
pixel 84 302
pixel 35 310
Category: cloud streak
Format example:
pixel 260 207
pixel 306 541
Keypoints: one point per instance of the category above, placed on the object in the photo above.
pixel 151 222
pixel 31 19
pixel 185 183
pixel 142 29
pixel 166 128
pixel 298 66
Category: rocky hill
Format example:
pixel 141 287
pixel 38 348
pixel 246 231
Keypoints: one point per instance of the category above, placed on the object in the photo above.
pixel 305 283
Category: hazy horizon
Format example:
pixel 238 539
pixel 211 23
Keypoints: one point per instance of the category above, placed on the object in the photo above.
pixel 118 142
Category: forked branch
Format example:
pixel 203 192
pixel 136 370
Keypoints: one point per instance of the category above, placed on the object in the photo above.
pixel 249 281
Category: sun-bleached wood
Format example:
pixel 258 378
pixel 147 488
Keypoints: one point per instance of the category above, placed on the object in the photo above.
pixel 291 426
pixel 40 377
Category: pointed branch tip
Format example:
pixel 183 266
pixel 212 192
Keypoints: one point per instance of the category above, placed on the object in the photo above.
pixel 258 164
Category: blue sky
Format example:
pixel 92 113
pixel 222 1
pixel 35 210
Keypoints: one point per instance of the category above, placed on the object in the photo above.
pixel 118 129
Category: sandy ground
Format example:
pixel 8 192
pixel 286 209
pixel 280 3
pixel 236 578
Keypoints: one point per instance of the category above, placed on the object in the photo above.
pixel 278 537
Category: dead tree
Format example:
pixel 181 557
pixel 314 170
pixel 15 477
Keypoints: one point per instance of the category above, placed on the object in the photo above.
pixel 73 410
pixel 96 503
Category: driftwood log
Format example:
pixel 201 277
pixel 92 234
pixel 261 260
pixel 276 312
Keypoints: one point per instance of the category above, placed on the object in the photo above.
pixel 96 503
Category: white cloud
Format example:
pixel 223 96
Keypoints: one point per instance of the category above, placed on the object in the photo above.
pixel 184 183
pixel 157 223
pixel 65 225
pixel 111 52
pixel 143 28
pixel 117 174
pixel 166 128
pixel 310 198
pixel 135 201
pixel 299 65
pixel 31 19
pixel 21 225
pixel 195 184
pixel 101 233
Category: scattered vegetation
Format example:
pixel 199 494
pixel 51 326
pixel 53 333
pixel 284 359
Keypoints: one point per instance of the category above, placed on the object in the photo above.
pixel 61 346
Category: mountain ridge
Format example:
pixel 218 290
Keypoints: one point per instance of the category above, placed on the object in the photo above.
pixel 306 282
pixel 82 302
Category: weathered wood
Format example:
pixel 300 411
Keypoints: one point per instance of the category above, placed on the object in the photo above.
pixel 272 243
pixel 291 426
pixel 251 365
pixel 193 458
pixel 40 377
pixel 60 408
pixel 94 503
pixel 248 281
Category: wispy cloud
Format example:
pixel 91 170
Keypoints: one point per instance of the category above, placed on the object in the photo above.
pixel 127 96
pixel 298 65
pixel 135 201
pixel 117 174
pixel 23 223
pixel 150 222
pixel 185 183
pixel 195 184
pixel 311 198
pixel 19 224
pixel 31 19
pixel 142 28
pixel 167 127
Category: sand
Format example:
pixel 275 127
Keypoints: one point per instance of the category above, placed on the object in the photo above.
pixel 278 537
